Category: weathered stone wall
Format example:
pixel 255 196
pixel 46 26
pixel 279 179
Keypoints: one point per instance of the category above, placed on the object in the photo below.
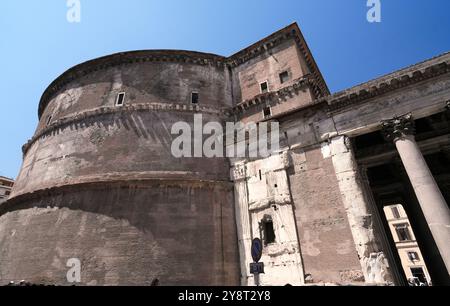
pixel 267 67
pixel 126 233
pixel 262 191
pixel 121 144
pixel 176 224
pixel 99 182
pixel 143 82
pixel 326 241
pixel 360 211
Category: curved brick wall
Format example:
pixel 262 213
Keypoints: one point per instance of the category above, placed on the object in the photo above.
pixel 99 183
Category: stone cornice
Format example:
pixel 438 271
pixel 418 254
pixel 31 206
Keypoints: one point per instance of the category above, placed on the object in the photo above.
pixel 422 71
pixel 276 96
pixel 6 179
pixel 116 181
pixel 198 58
pixel 124 58
pixel 290 32
pixel 427 70
pixel 131 108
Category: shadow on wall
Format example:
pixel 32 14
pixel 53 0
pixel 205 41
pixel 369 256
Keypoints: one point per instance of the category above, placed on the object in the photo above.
pixel 123 234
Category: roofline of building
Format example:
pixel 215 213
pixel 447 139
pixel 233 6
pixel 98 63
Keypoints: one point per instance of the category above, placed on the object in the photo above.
pixel 413 74
pixel 201 58
pixel 404 76
pixel 121 58
pixel 6 178
pixel 273 40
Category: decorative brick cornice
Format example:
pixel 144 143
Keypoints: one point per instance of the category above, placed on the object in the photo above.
pixel 125 180
pixel 290 32
pixel 131 108
pixel 277 96
pixel 426 70
pixel 125 58
pixel 398 127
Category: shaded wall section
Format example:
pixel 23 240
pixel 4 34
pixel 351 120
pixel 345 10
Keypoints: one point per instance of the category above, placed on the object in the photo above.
pixel 127 234
pixel 327 245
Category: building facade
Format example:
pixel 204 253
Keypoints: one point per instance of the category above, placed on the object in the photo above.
pixel 406 243
pixel 5 188
pixel 99 181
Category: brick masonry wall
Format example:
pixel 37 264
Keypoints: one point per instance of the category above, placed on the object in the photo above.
pixel 123 234
pixel 267 67
pixel 326 242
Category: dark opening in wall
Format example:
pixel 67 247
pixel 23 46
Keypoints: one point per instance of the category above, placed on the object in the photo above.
pixel 120 99
pixel 194 97
pixel 403 232
pixel 395 212
pixel 267 111
pixel 418 272
pixel 284 77
pixel 264 87
pixel 268 232
pixel 49 119
pixel 412 256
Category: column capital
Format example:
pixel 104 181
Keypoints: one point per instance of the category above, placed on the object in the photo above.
pixel 398 127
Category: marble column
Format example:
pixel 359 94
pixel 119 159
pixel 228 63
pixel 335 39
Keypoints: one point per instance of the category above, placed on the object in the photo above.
pixel 401 131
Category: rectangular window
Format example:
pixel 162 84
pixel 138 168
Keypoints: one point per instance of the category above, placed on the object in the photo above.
pixel 267 112
pixel 395 212
pixel 268 231
pixel 7 193
pixel 264 87
pixel 418 272
pixel 413 256
pixel 403 232
pixel 284 77
pixel 194 97
pixel 120 99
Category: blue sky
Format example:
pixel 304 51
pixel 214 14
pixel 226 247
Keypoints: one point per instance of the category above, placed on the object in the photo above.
pixel 37 43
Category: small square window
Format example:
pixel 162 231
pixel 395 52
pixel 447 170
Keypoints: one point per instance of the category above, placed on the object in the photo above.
pixel 7 193
pixel 267 112
pixel 413 256
pixel 194 97
pixel 264 87
pixel 284 77
pixel 120 99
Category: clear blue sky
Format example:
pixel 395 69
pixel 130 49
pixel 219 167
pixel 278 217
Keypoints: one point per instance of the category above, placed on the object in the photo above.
pixel 37 43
